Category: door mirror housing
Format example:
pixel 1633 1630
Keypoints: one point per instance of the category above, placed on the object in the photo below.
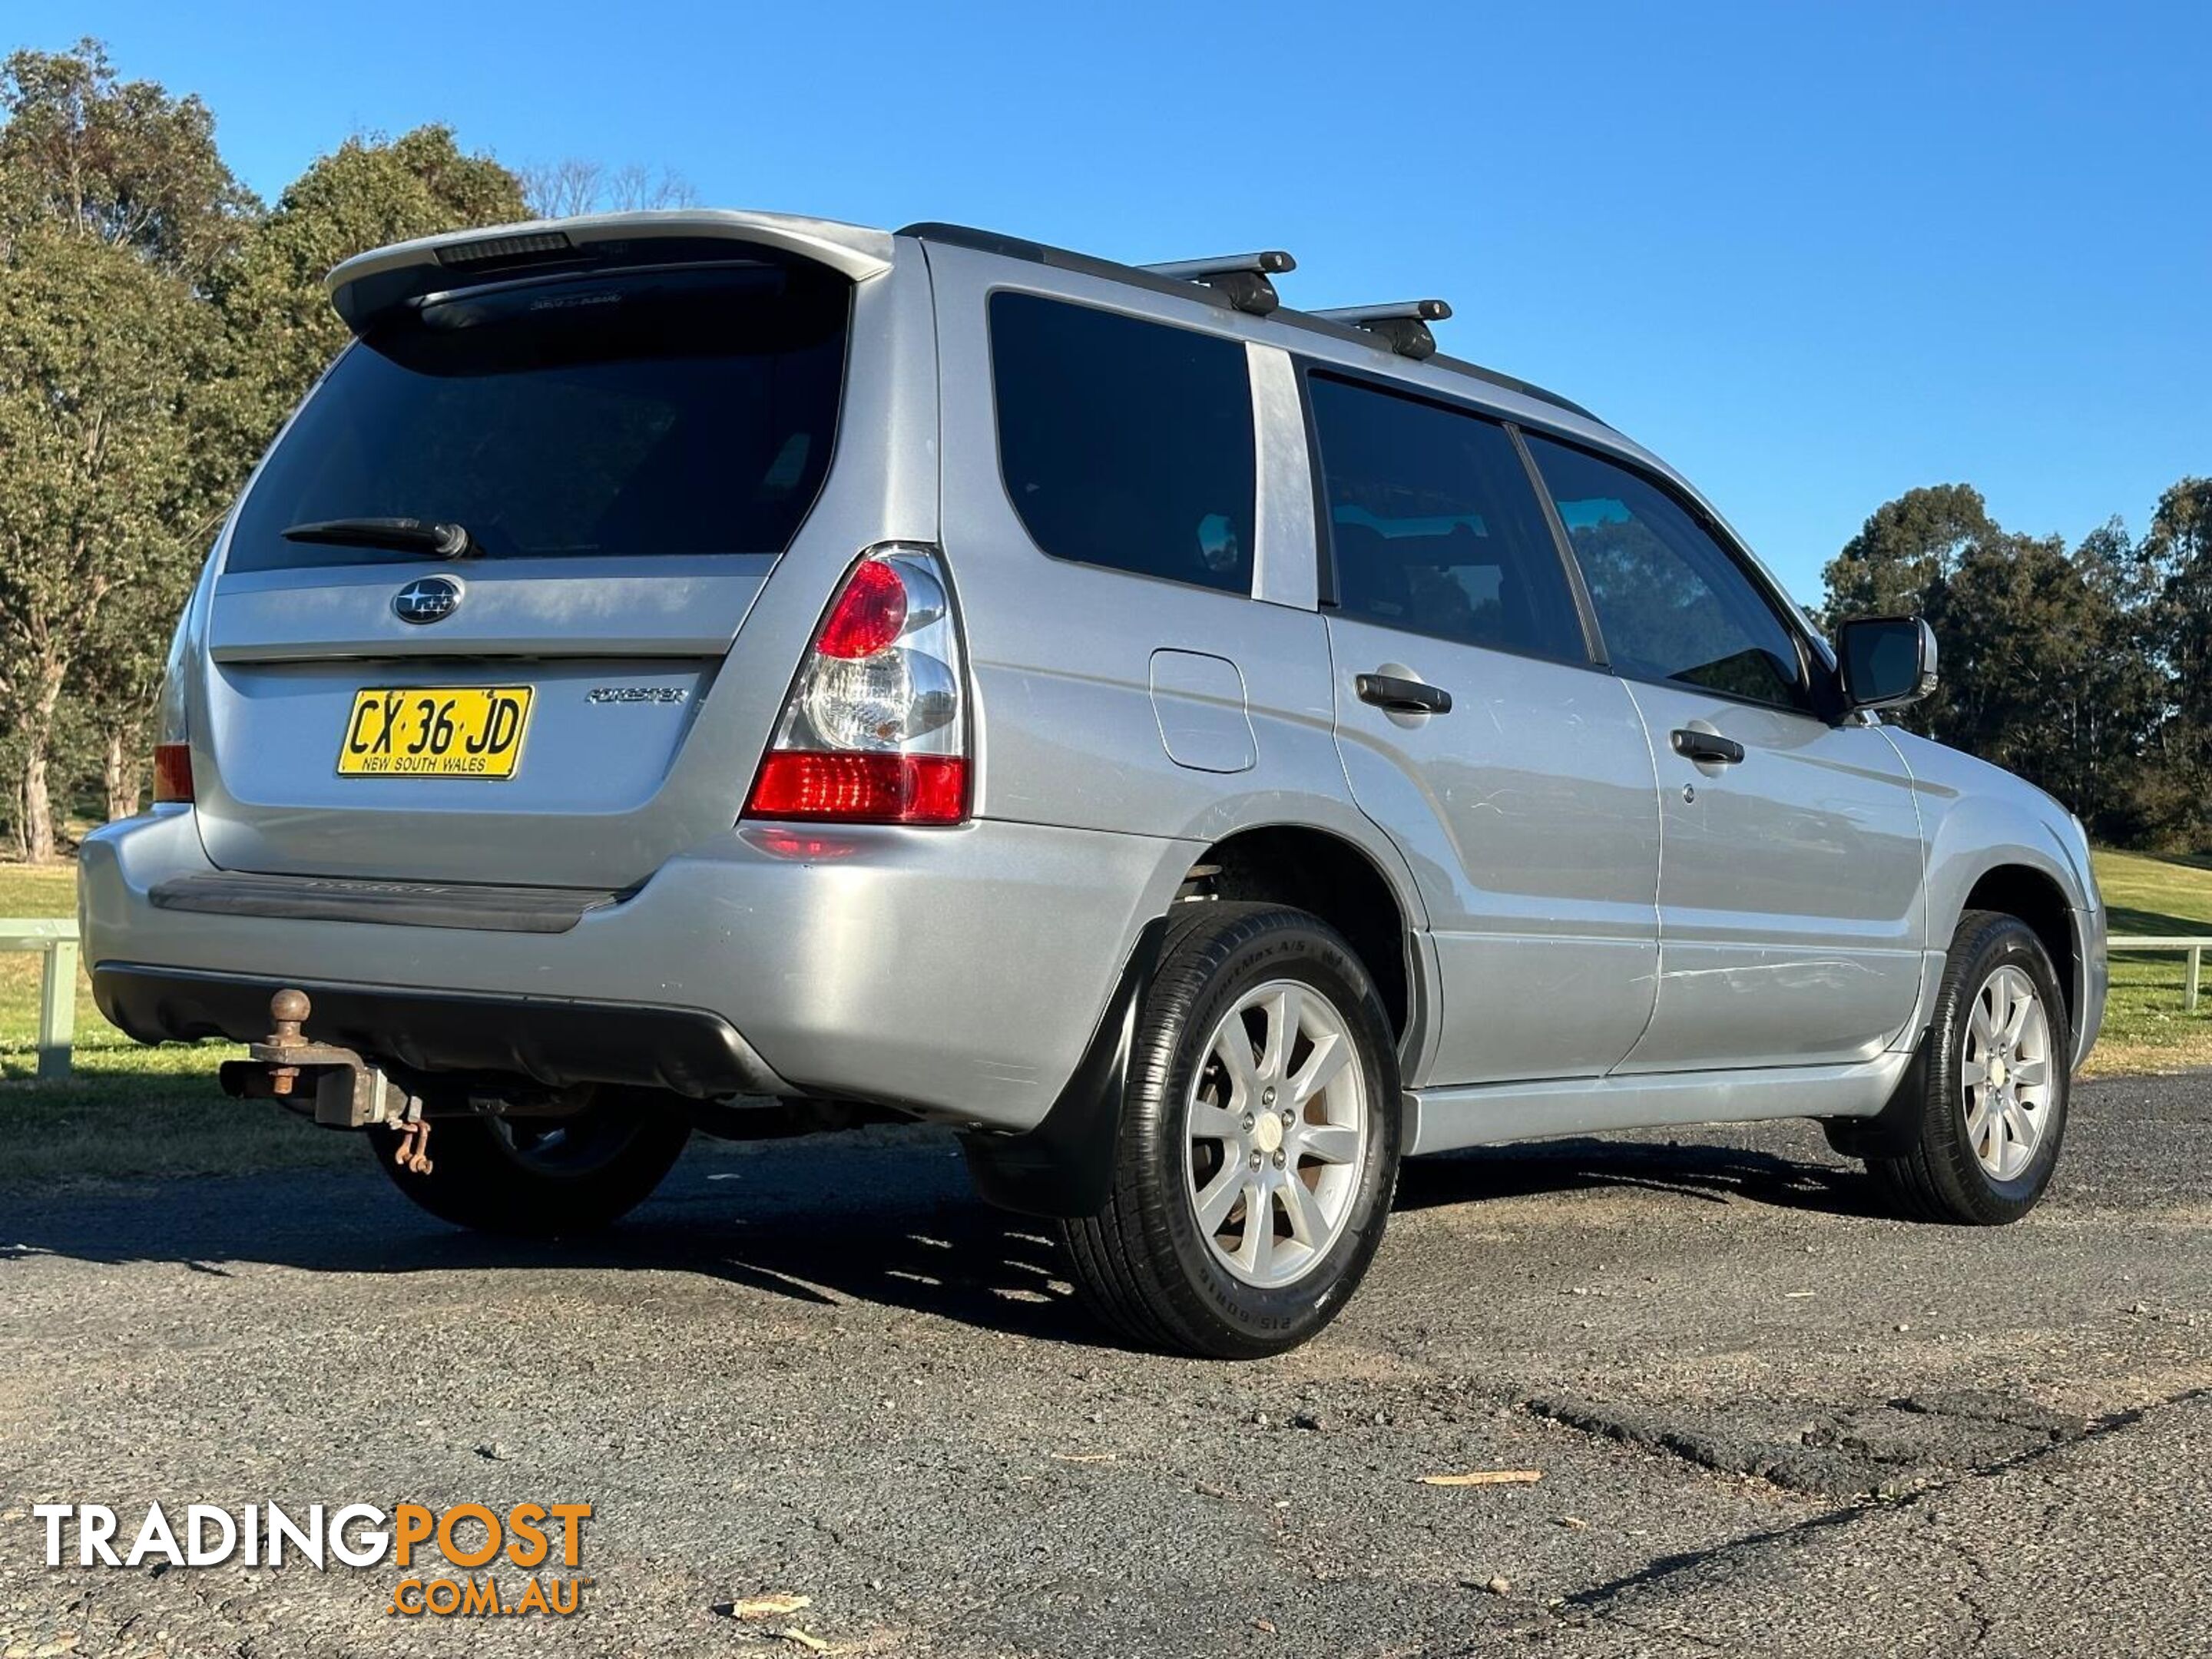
pixel 1887 661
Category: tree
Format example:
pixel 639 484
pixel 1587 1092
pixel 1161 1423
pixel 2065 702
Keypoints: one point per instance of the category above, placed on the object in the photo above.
pixel 366 193
pixel 155 327
pixel 559 189
pixel 116 211
pixel 2178 554
pixel 2175 561
pixel 2045 669
pixel 1906 547
pixel 117 677
pixel 97 348
pixel 2126 688
pixel 2048 661
pixel 119 161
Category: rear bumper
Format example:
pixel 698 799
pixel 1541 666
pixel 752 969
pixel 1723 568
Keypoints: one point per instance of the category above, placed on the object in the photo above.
pixel 957 973
pixel 556 1041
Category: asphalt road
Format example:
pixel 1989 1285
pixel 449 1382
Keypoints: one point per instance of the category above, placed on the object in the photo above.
pixel 1768 1419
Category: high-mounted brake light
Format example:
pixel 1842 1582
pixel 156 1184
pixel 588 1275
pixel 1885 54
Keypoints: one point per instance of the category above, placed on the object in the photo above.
pixel 876 730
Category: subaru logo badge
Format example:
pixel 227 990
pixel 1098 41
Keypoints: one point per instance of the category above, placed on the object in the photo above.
pixel 430 599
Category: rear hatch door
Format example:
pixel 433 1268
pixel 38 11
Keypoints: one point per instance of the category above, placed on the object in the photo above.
pixel 629 436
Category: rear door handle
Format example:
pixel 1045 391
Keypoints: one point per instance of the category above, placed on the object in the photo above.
pixel 1709 747
pixel 1402 695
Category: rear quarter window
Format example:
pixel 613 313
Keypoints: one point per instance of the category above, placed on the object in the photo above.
pixel 1124 443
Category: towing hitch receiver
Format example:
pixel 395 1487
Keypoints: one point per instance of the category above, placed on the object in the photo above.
pixel 347 1092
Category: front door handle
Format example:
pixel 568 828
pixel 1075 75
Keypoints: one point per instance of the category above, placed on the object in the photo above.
pixel 1709 748
pixel 1402 695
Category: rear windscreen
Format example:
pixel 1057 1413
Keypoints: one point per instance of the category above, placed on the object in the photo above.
pixel 689 409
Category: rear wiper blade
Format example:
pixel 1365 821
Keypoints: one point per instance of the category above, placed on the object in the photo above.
pixel 436 541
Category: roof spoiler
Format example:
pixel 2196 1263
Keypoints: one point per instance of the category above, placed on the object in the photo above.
pixel 371 283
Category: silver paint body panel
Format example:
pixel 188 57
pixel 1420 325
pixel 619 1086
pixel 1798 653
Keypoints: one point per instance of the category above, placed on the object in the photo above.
pixel 1791 915
pixel 1586 948
pixel 1531 821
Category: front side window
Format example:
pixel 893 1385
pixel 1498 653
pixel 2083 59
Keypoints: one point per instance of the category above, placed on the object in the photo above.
pixel 1434 527
pixel 1126 443
pixel 1670 601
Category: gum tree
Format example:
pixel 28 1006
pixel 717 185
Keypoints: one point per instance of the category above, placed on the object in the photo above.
pixel 116 211
pixel 97 346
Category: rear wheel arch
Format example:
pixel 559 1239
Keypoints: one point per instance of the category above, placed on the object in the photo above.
pixel 1336 880
pixel 1062 1166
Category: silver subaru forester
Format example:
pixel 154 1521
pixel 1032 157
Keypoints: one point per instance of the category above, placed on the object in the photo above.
pixel 727 671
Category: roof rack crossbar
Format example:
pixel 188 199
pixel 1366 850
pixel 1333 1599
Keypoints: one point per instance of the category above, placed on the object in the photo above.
pixel 1012 248
pixel 1401 324
pixel 1241 278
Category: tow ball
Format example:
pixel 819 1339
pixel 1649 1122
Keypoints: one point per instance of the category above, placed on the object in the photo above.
pixel 338 1087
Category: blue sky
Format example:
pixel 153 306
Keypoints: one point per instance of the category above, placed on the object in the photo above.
pixel 1814 255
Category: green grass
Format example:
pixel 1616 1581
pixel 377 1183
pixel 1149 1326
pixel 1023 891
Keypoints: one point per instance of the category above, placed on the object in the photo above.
pixel 128 1111
pixel 131 1111
pixel 2146 1028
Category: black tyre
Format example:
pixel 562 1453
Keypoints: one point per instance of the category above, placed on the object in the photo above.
pixel 1982 1143
pixel 1259 1140
pixel 542 1177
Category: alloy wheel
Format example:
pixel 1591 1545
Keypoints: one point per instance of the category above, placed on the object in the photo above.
pixel 2005 1073
pixel 1276 1140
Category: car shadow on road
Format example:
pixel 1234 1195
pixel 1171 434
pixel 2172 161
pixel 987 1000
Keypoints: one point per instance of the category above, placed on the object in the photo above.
pixel 1712 1174
pixel 819 1222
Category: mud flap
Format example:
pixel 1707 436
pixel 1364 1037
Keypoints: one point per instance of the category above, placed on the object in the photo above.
pixel 1893 1131
pixel 1064 1167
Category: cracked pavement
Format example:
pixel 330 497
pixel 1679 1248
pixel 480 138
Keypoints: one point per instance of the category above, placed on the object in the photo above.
pixel 1769 1418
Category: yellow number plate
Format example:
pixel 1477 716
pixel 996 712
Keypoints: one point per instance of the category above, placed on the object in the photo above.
pixel 435 731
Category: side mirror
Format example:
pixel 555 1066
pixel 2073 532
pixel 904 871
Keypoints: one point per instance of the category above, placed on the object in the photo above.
pixel 1888 661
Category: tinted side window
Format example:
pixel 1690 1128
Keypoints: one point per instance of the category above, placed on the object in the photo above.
pixel 1125 443
pixel 1434 527
pixel 1671 602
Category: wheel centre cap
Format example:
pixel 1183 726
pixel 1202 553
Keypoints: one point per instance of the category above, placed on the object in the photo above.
pixel 1267 1132
pixel 1997 1071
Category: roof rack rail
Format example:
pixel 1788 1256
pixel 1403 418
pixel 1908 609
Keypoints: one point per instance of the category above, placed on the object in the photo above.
pixel 1241 277
pixel 1403 324
pixel 1059 259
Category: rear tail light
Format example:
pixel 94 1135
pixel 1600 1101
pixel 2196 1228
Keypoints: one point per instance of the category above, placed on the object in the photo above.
pixel 173 758
pixel 173 774
pixel 869 614
pixel 875 788
pixel 876 728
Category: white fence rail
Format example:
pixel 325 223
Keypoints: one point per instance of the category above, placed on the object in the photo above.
pixel 55 940
pixel 2177 943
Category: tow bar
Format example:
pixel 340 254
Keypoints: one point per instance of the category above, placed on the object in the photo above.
pixel 347 1092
